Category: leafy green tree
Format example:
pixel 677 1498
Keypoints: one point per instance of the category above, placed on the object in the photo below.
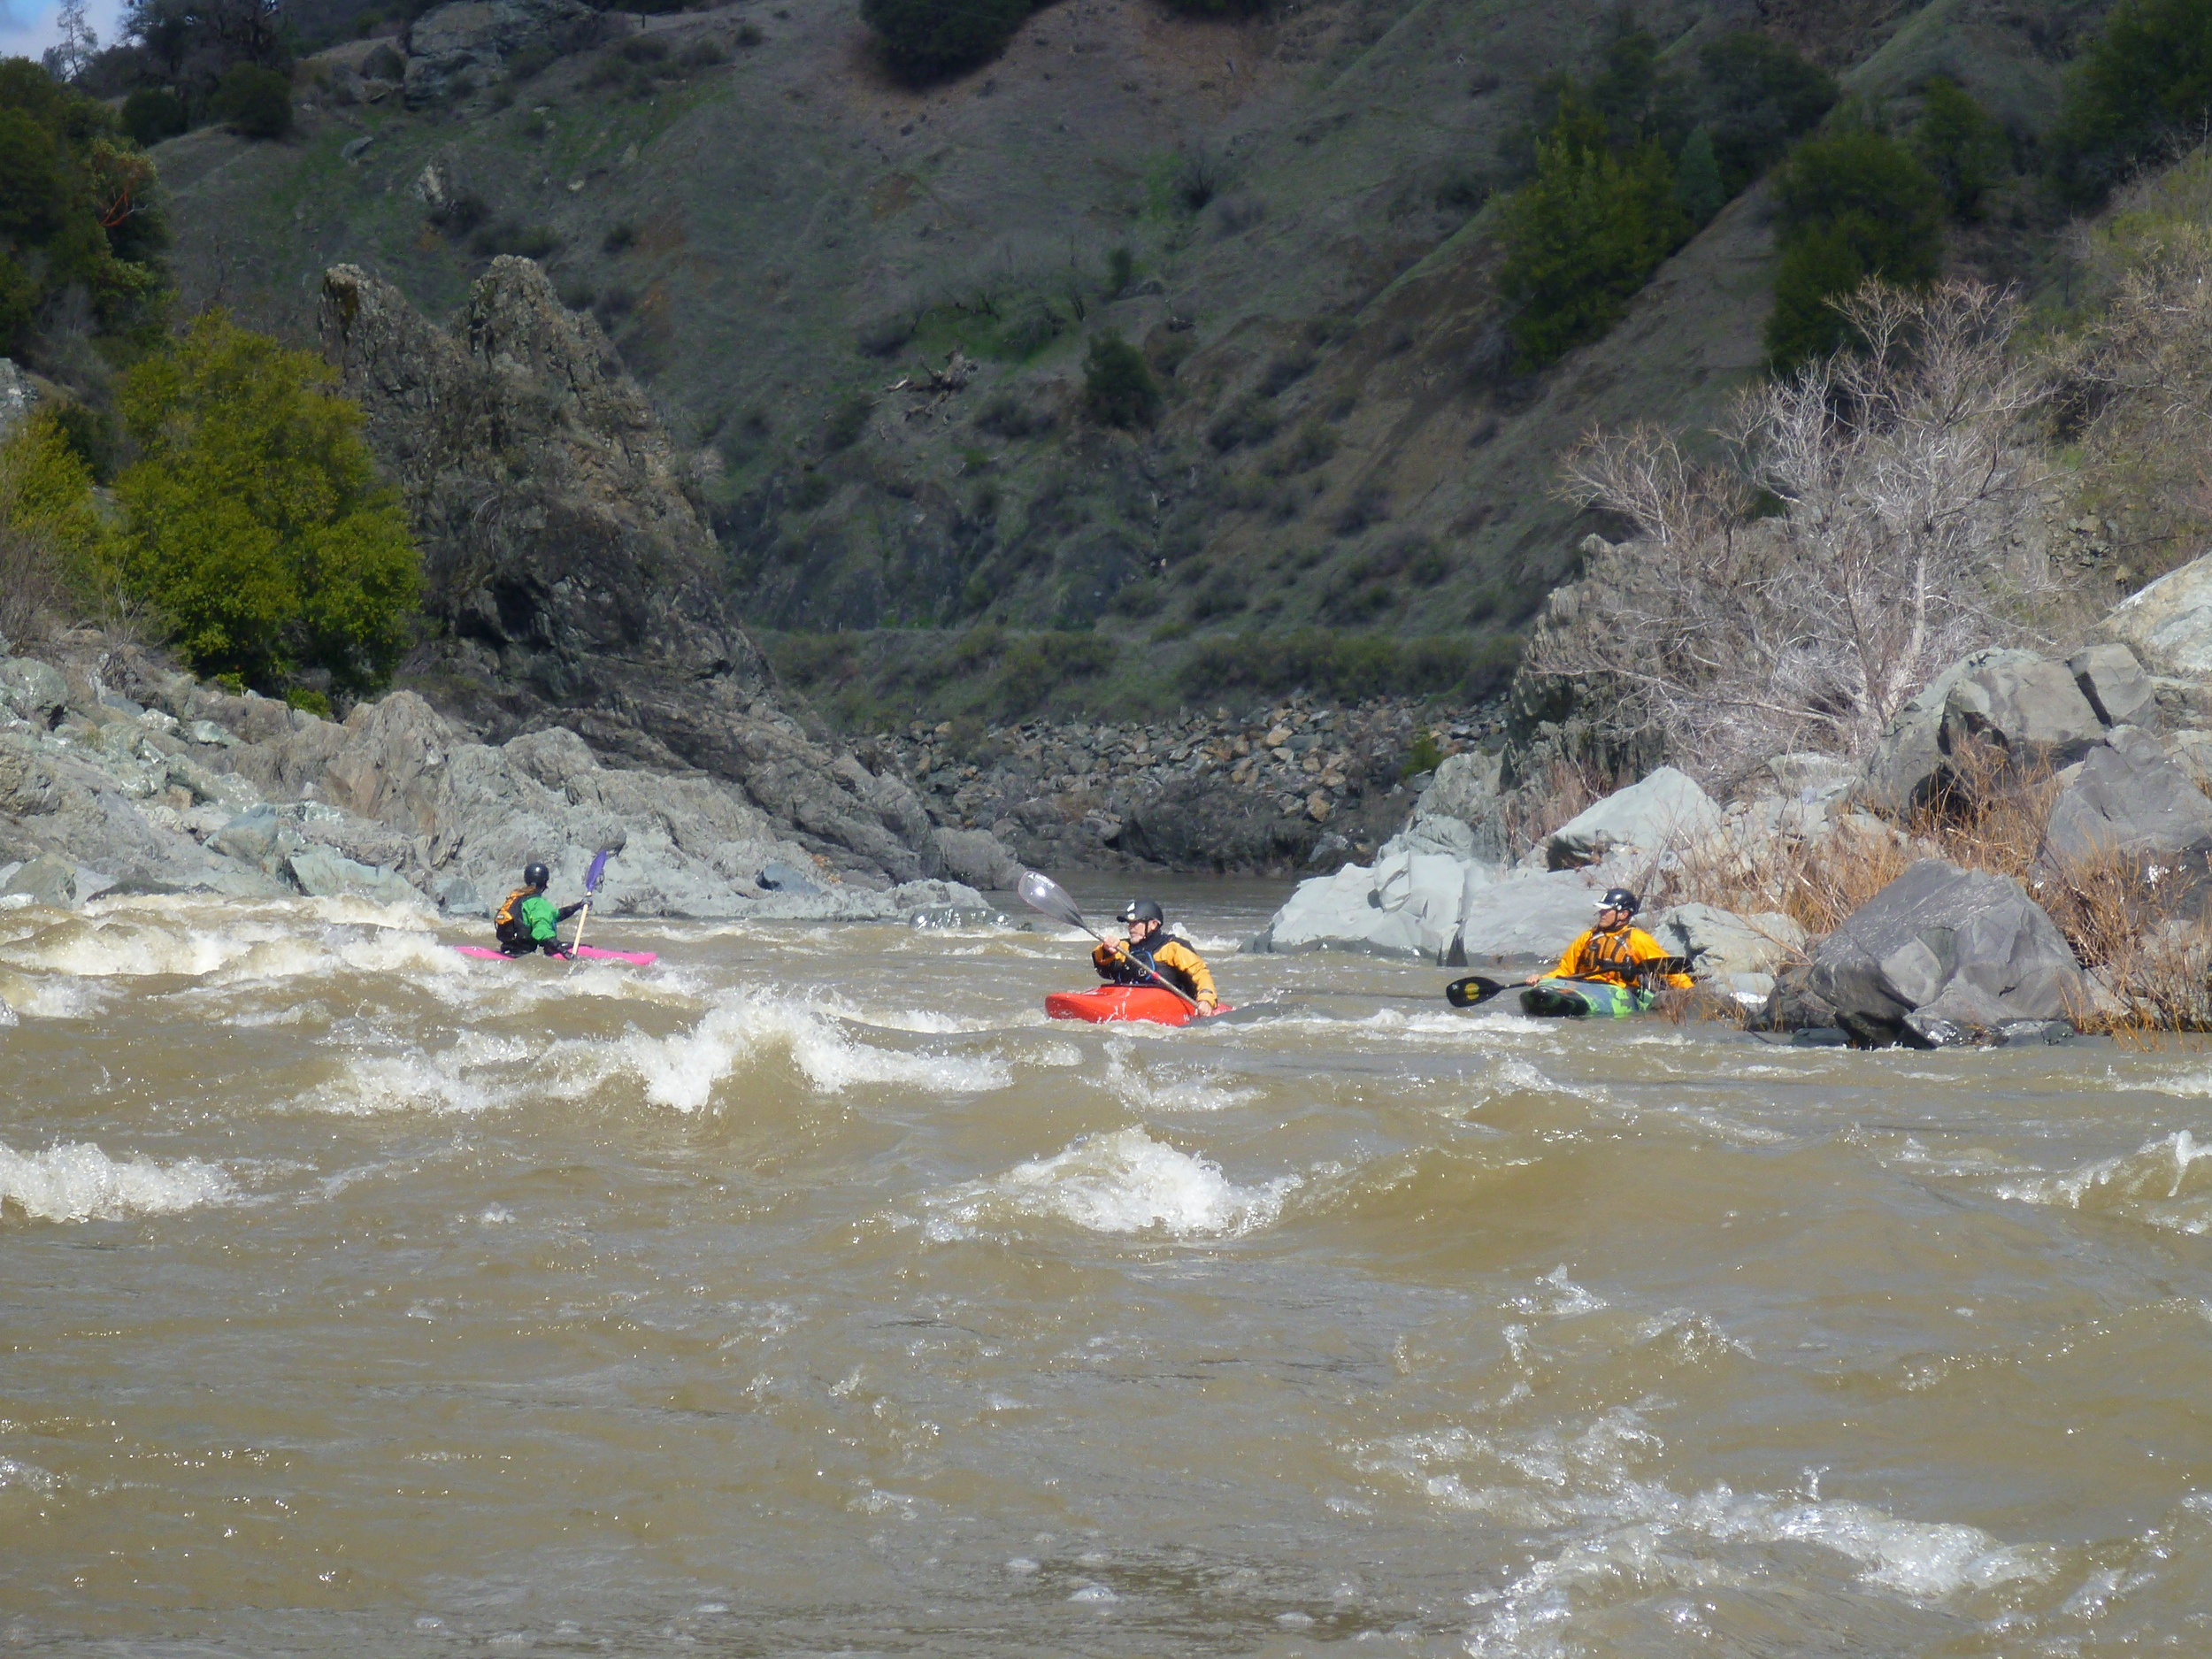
pixel 1698 189
pixel 1961 146
pixel 931 40
pixel 2147 76
pixel 1850 205
pixel 256 102
pixel 1117 385
pixel 254 518
pixel 1759 94
pixel 78 208
pixel 1579 239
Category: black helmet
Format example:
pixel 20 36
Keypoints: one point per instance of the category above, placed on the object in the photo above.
pixel 1141 910
pixel 1618 899
pixel 535 876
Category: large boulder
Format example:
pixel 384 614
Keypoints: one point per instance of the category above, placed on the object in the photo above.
pixel 32 690
pixel 1662 811
pixel 1465 789
pixel 1409 904
pixel 2169 622
pixel 322 873
pixel 2009 708
pixel 2129 797
pixel 1935 927
pixel 465 46
pixel 979 858
pixel 1722 944
pixel 2115 683
pixel 1528 920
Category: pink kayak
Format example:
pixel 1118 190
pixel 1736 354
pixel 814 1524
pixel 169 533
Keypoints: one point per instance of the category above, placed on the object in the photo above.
pixel 590 953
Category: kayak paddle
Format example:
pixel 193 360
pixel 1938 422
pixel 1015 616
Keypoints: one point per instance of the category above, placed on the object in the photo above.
pixel 1474 990
pixel 591 886
pixel 1042 893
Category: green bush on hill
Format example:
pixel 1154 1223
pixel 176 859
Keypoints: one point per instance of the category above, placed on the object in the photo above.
pixel 1850 205
pixel 153 114
pixel 1117 387
pixel 1349 666
pixel 1758 95
pixel 256 102
pixel 930 40
pixel 1961 146
pixel 54 546
pixel 2145 79
pixel 78 209
pixel 1580 238
pixel 254 521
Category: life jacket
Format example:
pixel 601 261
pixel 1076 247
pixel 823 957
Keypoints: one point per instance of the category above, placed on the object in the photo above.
pixel 1127 972
pixel 1613 956
pixel 514 934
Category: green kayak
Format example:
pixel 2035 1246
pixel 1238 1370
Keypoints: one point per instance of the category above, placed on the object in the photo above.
pixel 1578 999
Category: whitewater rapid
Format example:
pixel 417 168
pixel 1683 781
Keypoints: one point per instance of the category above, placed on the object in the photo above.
pixel 809 1292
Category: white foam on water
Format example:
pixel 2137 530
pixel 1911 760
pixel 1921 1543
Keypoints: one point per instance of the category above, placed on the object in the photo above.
pixel 77 1182
pixel 1558 1297
pixel 21 1477
pixel 7 1017
pixel 1119 1182
pixel 682 1071
pixel 2165 1183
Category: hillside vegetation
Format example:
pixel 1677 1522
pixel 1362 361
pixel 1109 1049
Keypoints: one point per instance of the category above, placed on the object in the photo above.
pixel 1179 333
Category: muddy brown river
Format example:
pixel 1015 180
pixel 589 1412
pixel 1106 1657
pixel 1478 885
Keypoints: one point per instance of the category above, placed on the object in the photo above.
pixel 808 1293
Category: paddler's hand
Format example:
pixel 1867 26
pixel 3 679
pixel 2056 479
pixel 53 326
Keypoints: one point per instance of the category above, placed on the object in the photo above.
pixel 1208 1005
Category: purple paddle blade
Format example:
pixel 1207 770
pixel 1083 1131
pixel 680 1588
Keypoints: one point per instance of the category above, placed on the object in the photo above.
pixel 598 868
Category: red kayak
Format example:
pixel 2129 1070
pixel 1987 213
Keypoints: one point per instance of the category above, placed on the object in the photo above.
pixel 590 953
pixel 1111 1002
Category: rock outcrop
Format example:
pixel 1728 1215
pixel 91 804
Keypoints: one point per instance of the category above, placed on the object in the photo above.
pixel 572 579
pixel 470 45
pixel 117 774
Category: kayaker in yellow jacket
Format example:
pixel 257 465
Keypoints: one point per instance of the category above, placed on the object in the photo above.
pixel 1610 951
pixel 1151 946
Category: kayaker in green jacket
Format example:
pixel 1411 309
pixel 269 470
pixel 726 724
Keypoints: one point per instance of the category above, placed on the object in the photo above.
pixel 527 921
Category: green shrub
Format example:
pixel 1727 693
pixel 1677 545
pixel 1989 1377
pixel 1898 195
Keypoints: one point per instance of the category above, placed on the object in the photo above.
pixel 256 103
pixel 1759 96
pixel 151 114
pixel 254 521
pixel 311 701
pixel 1348 666
pixel 1579 239
pixel 930 40
pixel 1117 386
pixel 1698 190
pixel 1423 756
pixel 1961 146
pixel 2146 77
pixel 1850 205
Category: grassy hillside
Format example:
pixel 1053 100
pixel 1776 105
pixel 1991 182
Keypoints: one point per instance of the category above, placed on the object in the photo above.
pixel 1289 218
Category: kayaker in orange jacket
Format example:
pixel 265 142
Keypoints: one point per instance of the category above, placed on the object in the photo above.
pixel 1151 946
pixel 1611 950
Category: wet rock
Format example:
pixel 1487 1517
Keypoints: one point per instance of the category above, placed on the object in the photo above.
pixel 979 858
pixel 1665 810
pixel 49 880
pixel 1408 905
pixel 322 873
pixel 1934 927
pixel 457 897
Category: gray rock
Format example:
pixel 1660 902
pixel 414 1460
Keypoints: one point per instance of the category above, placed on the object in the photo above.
pixel 1910 761
pixel 208 732
pixel 2169 622
pixel 778 877
pixel 1665 810
pixel 2114 682
pixel 2128 797
pixel 1720 943
pixel 49 880
pixel 322 873
pixel 2033 710
pixel 18 396
pixel 1465 788
pixel 1529 919
pixel 1406 905
pixel 465 46
pixel 32 690
pixel 979 858
pixel 1934 926
pixel 457 897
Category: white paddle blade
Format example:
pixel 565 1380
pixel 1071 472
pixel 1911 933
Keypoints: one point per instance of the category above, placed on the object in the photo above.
pixel 1042 892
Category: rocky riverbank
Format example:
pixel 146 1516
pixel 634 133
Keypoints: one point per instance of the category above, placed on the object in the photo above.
pixel 119 775
pixel 2027 851
pixel 1286 785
